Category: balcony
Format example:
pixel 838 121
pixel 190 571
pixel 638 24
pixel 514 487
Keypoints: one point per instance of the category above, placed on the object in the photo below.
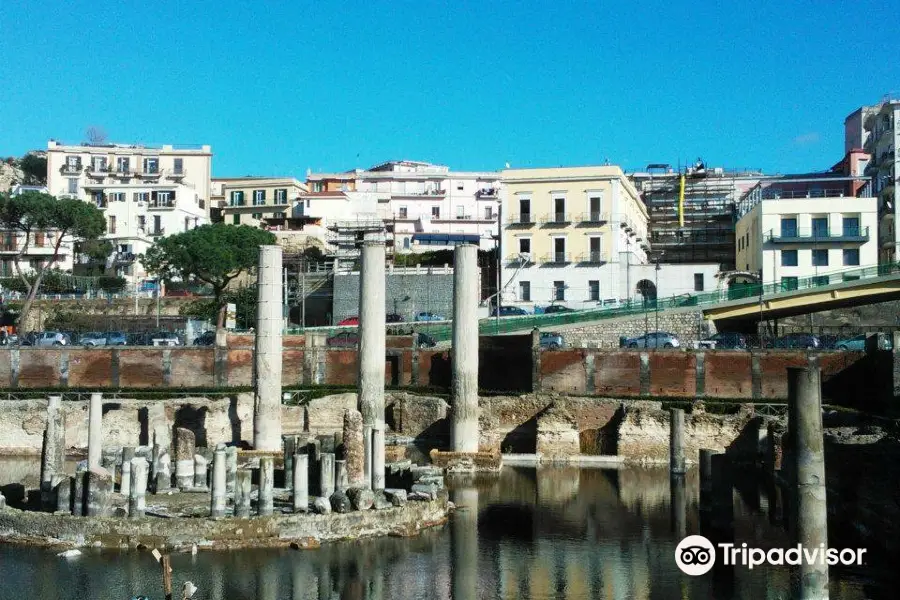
pixel 593 218
pixel 150 173
pixel 158 232
pixel 522 220
pixel 122 173
pixel 176 174
pixel 557 258
pixel 522 258
pixel 124 257
pixel 593 258
pixel 68 169
pixel 162 204
pixel 487 194
pixel 100 203
pixel 559 218
pixel 99 171
pixel 814 235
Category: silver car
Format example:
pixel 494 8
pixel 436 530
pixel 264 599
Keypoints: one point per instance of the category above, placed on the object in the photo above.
pixel 657 339
pixel 52 338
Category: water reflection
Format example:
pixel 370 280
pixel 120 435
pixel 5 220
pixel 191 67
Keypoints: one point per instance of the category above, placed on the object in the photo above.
pixel 529 534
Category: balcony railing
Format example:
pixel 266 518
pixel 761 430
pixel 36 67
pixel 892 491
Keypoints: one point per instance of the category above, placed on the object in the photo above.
pixel 122 172
pixel 97 170
pixel 594 217
pixel 522 258
pixel 236 203
pixel 487 194
pixel 176 173
pixel 158 232
pixel 559 218
pixel 124 257
pixel 557 258
pixel 593 258
pixel 803 236
pixel 524 219
pixel 68 169
pixel 149 173
pixel 160 204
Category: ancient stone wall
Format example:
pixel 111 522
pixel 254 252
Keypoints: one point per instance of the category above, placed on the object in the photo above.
pixel 688 325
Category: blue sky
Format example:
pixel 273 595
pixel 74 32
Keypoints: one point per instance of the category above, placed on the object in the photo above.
pixel 277 88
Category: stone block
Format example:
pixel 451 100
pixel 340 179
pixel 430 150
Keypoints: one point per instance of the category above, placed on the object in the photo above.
pixel 361 498
pixel 381 500
pixel 428 489
pixel 340 503
pixel 322 505
pixel 397 496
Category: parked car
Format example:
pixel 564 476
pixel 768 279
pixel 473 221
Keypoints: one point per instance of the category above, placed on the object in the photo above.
pixel 52 338
pixel 551 341
pixel 798 340
pixel 557 308
pixel 429 316
pixel 509 311
pixel 162 338
pixel 100 338
pixel 829 341
pixel 427 341
pixel 393 318
pixel 207 338
pixel 344 339
pixel 725 341
pixel 657 339
pixel 349 321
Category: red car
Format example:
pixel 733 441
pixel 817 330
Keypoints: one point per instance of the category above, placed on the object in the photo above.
pixel 349 321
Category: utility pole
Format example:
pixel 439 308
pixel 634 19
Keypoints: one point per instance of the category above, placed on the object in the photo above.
pixel 303 293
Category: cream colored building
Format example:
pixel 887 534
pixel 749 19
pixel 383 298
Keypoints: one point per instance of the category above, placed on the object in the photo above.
pixel 570 235
pixel 252 200
pixel 145 192
pixel 794 228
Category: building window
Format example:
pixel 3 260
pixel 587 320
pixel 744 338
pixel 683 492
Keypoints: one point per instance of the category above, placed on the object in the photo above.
pixel 142 196
pixel 73 162
pixel 187 223
pixel 788 258
pixel 559 210
pixel 281 196
pixel 151 165
pixel 73 186
pixel 36 263
pixel 123 164
pixel 460 211
pixel 259 197
pixel 112 224
pixel 318 186
pixel 820 258
pixel 559 250
pixel 525 211
pixel 459 187
pixel 789 284
pixel 117 197
pixel 157 224
pixel 402 214
pixel 594 290
pixel 851 226
pixel 594 204
pixel 525 291
pixel 789 227
pixel 142 222
pixel 851 257
pixel 698 282
pixel 178 166
pixel 256 216
pixel 820 228
pixel 820 280
pixel 236 219
pixel 237 198
pixel 559 290
pixel 406 243
pixel 98 163
pixel 435 212
pixel 524 245
pixel 488 213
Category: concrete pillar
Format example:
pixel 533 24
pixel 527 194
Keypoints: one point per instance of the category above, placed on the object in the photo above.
pixel 326 475
pixel 243 486
pixel 200 470
pixel 269 325
pixel 99 488
pixel 78 507
pixel 301 482
pixel 163 481
pixel 125 481
pixel 464 353
pixel 65 492
pixel 290 448
pixel 372 340
pixel 676 441
pixel 218 496
pixel 464 544
pixel 95 430
pixel 808 446
pixel 354 451
pixel 231 462
pixel 53 456
pixel 378 458
pixel 266 501
pixel 341 482
pixel 367 455
pixel 137 492
pixel 678 505
pixel 185 449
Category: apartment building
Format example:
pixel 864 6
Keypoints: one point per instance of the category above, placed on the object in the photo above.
pixel 39 248
pixel 797 227
pixel 570 235
pixel 255 200
pixel 424 206
pixel 145 192
pixel 880 142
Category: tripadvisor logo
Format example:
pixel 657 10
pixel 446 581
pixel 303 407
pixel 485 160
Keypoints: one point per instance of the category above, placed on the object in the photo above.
pixel 696 555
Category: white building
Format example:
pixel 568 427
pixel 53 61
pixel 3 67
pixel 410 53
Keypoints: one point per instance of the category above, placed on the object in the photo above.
pixel 424 206
pixel 145 192
pixel 799 227
pixel 40 247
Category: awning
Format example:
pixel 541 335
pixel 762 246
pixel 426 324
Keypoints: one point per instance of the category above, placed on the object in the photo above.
pixel 445 239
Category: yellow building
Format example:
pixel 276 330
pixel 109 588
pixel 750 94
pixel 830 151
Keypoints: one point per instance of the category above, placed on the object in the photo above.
pixel 570 235
pixel 249 200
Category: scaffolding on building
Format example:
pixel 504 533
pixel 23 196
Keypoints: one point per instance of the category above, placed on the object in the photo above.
pixel 344 239
pixel 699 228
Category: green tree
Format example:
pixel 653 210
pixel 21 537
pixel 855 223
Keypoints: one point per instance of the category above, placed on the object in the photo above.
pixel 31 213
pixel 213 254
pixel 34 168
